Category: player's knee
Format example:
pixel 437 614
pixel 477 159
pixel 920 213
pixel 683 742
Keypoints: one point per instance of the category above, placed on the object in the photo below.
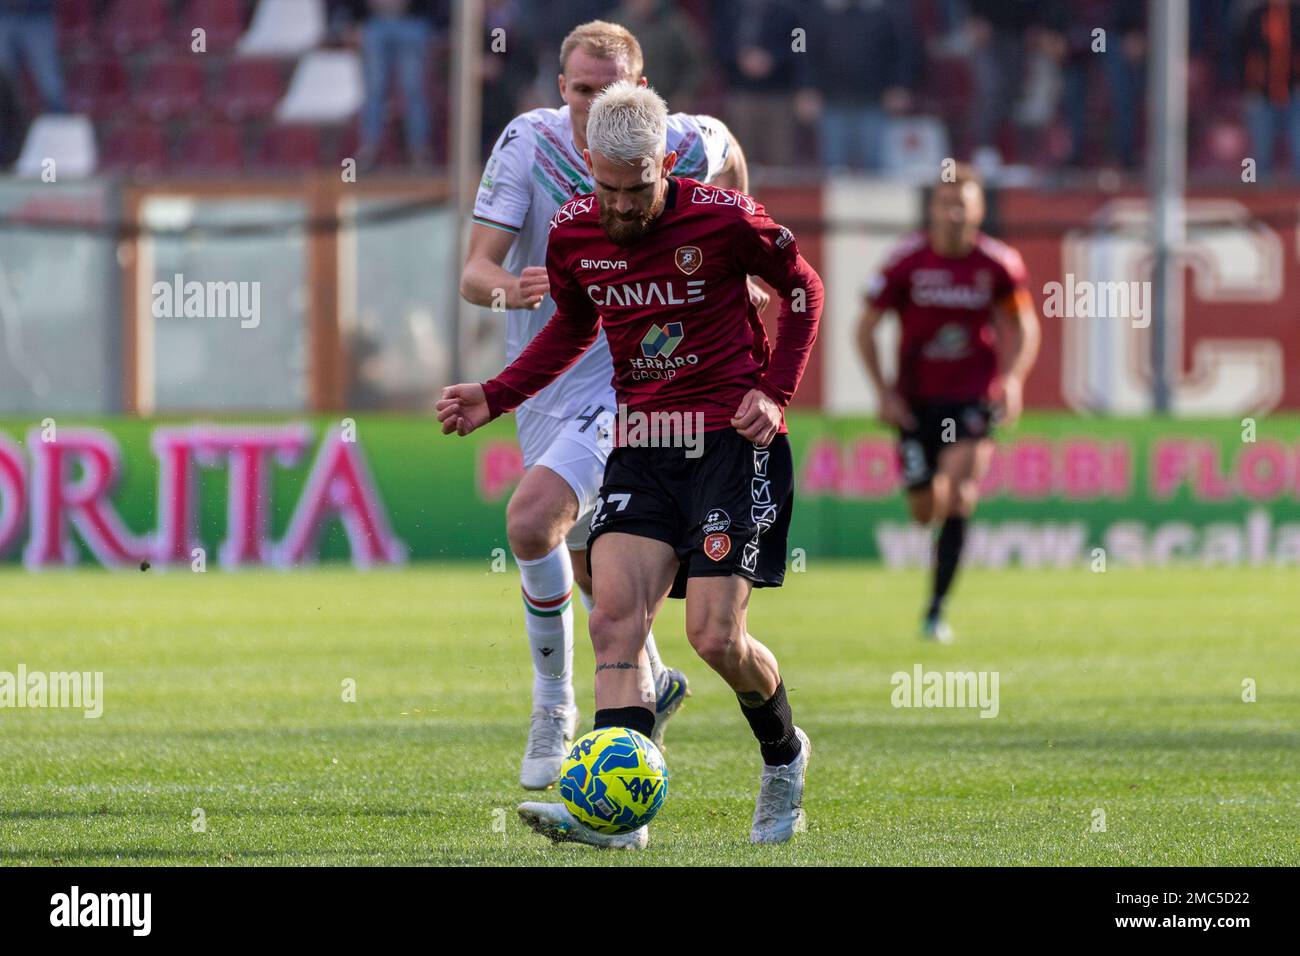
pixel 716 642
pixel 964 497
pixel 615 634
pixel 922 506
pixel 531 532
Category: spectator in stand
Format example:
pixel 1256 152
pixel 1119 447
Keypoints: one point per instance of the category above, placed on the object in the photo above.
pixel 1211 35
pixel 551 23
pixel 671 46
pixel 1270 50
pixel 1072 22
pixel 863 58
pixel 996 31
pixel 395 34
pixel 27 29
pixel 763 71
pixel 506 75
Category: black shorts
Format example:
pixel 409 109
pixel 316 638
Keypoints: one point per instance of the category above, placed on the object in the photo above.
pixel 938 424
pixel 725 512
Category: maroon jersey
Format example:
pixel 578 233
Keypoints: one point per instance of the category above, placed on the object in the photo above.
pixel 945 306
pixel 682 331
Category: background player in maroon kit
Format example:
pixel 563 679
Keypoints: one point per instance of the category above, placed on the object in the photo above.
pixel 969 338
pixel 661 263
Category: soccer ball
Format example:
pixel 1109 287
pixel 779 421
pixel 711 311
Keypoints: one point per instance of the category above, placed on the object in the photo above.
pixel 614 780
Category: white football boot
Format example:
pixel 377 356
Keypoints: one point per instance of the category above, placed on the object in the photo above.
pixel 936 629
pixel 549 738
pixel 669 702
pixel 555 821
pixel 779 813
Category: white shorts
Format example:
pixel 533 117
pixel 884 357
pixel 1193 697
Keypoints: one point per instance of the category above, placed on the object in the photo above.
pixel 574 448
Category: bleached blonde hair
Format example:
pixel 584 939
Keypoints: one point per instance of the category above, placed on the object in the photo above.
pixel 628 123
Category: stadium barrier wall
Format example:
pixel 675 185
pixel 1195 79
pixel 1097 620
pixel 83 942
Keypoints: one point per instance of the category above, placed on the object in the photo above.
pixel 382 490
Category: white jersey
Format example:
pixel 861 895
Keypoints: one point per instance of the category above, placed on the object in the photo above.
pixel 533 171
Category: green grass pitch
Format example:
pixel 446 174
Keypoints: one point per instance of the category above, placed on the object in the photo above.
pixel 1119 692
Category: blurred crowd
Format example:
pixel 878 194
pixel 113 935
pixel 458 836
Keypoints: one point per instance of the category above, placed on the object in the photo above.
pixel 870 85
pixel 862 84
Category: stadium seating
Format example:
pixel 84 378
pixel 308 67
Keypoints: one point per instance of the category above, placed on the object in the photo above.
pixel 284 28
pixel 98 87
pixel 222 21
pixel 171 88
pixel 136 26
pixel 211 147
pixel 249 89
pixel 136 149
pixel 326 88
pixel 287 148
pixel 267 60
pixel 75 22
pixel 68 139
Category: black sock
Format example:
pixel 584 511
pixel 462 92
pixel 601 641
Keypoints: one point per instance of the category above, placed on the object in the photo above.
pixel 947 555
pixel 640 719
pixel 773 727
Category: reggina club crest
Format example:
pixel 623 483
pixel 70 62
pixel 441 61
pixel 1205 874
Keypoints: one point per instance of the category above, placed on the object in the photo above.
pixel 688 259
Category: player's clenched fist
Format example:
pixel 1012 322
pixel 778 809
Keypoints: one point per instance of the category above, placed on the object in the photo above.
pixel 533 287
pixel 462 408
pixel 894 410
pixel 758 418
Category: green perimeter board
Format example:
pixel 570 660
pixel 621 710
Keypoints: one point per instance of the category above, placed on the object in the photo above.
pixel 428 484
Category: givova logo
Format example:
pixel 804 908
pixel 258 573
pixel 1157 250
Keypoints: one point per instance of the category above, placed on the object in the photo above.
pixel 660 341
pixel 75 908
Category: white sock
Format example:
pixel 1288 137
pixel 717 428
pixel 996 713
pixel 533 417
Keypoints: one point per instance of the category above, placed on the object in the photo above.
pixel 547 584
pixel 657 670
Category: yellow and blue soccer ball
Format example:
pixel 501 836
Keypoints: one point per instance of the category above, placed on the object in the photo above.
pixel 614 780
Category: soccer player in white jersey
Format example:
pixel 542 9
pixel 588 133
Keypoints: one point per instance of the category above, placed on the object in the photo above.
pixel 536 167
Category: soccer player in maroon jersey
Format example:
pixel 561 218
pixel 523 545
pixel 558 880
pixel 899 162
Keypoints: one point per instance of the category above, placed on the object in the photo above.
pixel 661 263
pixel 969 337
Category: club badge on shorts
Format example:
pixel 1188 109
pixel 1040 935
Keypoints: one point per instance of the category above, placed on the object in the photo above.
pixel 717 546
pixel 688 259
